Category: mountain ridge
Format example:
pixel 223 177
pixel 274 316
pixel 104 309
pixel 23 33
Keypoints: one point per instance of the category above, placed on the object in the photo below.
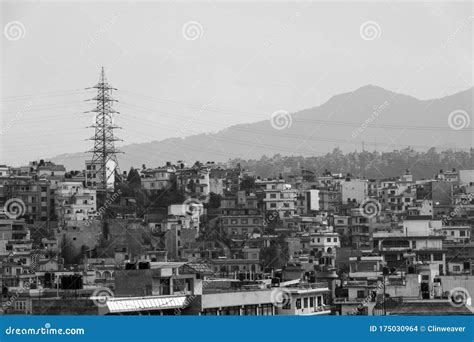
pixel 314 130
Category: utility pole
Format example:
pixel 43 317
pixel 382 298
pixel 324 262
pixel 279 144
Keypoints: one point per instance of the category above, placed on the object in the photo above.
pixel 104 164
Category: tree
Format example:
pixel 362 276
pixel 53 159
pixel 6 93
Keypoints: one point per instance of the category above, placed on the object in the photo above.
pixel 68 251
pixel 248 183
pixel 214 201
pixel 133 179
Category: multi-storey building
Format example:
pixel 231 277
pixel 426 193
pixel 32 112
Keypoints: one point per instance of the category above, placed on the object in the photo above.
pixel 158 179
pixel 419 239
pixel 354 190
pixel 240 215
pixel 34 194
pixel 74 202
pixel 181 229
pixel 279 197
pixel 94 178
pixel 193 180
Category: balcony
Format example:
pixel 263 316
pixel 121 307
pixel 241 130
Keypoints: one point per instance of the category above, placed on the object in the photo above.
pixel 395 248
pixel 316 311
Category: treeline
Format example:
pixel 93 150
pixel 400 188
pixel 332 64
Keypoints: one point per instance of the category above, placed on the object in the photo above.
pixel 366 164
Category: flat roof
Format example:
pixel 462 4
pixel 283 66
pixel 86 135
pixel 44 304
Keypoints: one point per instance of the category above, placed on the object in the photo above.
pixel 133 304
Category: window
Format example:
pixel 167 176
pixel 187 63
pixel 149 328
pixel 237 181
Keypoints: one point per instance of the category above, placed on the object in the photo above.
pixel 424 257
pixel 20 305
pixel 244 221
pixel 286 304
pixel 360 294
pixel 233 221
pixel 273 205
pixel 328 239
pixel 462 233
pixel 298 303
pixel 305 302
pixel 311 302
pixel 256 221
pixel 273 195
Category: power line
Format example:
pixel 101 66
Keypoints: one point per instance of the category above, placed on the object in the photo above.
pixel 43 95
pixel 104 164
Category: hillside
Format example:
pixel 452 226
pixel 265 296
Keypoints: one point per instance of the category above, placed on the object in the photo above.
pixel 369 117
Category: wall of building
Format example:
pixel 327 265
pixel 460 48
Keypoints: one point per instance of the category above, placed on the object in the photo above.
pixel 465 281
pixel 466 177
pixel 216 300
pixel 354 189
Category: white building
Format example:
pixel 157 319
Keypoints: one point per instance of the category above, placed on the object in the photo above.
pixel 4 171
pixel 325 241
pixel 466 177
pixel 157 179
pixel 280 197
pixel 73 202
pixel 354 189
pixel 457 234
pixel 94 177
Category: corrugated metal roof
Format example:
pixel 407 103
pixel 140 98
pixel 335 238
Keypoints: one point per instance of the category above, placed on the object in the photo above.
pixel 116 305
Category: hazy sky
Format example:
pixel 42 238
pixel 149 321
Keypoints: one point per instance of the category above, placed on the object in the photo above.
pixel 184 68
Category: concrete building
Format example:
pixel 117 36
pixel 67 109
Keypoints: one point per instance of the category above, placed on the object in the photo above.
pixel 74 202
pixel 419 240
pixel 158 179
pixel 240 215
pixel 466 177
pixel 280 198
pixel 354 190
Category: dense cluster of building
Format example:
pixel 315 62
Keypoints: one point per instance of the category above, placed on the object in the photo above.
pixel 236 244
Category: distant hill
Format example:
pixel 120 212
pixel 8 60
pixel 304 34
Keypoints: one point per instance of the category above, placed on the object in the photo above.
pixel 369 116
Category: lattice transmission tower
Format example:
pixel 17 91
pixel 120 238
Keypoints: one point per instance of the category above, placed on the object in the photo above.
pixel 103 167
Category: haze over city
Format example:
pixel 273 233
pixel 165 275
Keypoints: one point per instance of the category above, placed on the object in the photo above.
pixel 211 65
